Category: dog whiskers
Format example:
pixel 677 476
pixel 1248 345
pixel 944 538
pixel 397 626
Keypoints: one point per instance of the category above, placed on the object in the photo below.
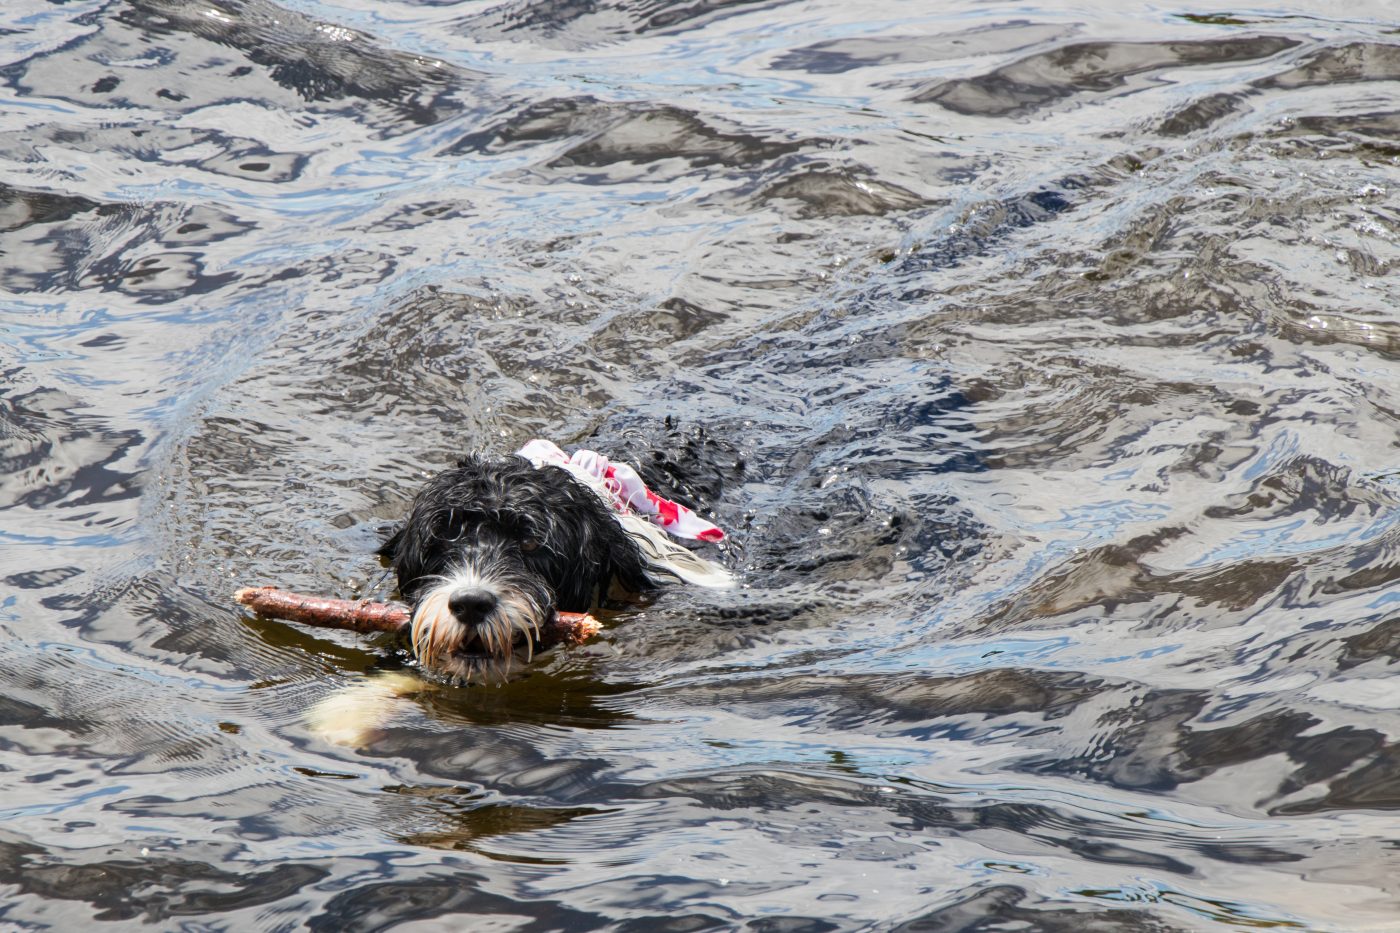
pixel 484 651
pixel 427 625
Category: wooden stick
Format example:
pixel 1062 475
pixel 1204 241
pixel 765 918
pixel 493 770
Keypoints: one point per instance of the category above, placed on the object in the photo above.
pixel 356 615
pixel 359 615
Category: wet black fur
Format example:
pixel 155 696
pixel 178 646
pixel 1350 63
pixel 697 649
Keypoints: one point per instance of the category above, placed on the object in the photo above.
pixel 550 535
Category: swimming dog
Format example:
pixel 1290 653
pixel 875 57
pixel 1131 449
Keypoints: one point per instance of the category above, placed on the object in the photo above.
pixel 493 547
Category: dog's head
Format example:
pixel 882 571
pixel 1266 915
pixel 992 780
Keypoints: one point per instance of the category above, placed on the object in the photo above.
pixel 491 550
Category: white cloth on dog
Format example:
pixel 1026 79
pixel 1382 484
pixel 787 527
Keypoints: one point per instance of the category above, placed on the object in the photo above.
pixel 623 489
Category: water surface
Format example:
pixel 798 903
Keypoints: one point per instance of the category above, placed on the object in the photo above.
pixel 1054 350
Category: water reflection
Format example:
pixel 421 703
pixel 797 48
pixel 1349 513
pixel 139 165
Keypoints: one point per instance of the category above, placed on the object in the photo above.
pixel 1089 67
pixel 1044 367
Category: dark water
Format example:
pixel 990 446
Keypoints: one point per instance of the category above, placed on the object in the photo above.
pixel 1059 347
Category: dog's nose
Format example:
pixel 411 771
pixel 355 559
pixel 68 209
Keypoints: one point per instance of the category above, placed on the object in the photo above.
pixel 471 606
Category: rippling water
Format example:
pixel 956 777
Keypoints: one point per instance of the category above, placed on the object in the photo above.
pixel 1055 350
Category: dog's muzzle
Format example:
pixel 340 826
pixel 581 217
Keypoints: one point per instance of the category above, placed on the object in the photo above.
pixel 476 622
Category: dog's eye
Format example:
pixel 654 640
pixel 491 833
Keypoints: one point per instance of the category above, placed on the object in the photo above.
pixel 528 545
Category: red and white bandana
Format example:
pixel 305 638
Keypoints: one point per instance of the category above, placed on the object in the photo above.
pixel 623 489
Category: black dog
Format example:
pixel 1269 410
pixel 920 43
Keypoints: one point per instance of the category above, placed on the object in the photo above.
pixel 492 548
